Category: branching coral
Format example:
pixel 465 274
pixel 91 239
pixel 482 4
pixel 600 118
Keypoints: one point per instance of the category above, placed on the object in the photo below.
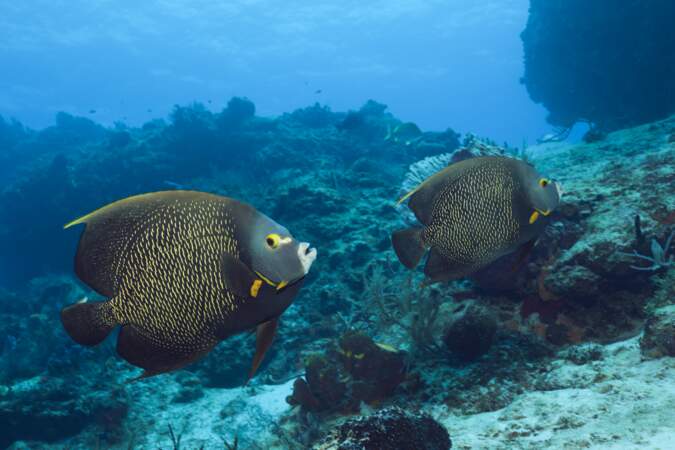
pixel 659 258
pixel 408 305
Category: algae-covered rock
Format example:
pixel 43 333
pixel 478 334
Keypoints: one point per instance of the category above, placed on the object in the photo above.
pixel 388 429
pixel 49 409
pixel 584 353
pixel 358 370
pixel 377 369
pixel 470 334
pixel 659 335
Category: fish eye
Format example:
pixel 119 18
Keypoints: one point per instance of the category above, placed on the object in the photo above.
pixel 543 182
pixel 273 240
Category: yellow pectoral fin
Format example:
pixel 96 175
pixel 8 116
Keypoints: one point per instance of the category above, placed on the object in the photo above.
pixel 255 288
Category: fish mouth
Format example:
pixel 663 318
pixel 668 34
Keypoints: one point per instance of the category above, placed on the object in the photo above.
pixel 307 255
pixel 559 189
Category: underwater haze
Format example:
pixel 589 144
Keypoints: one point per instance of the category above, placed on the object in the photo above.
pixel 436 62
pixel 386 225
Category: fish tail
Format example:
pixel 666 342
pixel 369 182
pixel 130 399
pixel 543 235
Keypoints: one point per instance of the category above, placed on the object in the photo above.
pixel 88 323
pixel 409 246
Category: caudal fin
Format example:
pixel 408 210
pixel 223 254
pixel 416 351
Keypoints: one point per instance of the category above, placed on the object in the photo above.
pixel 408 246
pixel 88 323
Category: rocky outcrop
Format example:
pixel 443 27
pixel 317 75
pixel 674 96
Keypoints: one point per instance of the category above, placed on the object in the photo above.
pixel 584 59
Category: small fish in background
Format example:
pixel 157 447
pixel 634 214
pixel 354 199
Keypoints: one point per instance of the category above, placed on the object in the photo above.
pixel 405 133
pixel 182 271
pixel 318 91
pixel 558 135
pixel 92 111
pixel 473 212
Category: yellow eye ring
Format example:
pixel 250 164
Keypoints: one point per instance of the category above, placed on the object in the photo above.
pixel 273 240
pixel 543 182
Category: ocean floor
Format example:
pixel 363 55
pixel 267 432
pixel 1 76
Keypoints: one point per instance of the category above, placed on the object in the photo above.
pixel 616 402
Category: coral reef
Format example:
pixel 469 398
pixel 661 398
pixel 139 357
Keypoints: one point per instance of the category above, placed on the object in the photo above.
pixel 583 61
pixel 479 354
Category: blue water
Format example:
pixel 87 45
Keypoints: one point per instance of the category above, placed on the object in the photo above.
pixel 434 64
pixel 321 115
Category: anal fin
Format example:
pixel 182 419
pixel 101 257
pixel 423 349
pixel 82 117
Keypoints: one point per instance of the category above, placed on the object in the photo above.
pixel 143 352
pixel 440 268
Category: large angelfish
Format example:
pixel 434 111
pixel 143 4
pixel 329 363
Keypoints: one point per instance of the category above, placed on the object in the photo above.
pixel 182 271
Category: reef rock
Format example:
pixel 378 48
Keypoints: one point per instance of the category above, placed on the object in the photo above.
pixel 359 370
pixel 49 409
pixel 659 335
pixel 470 334
pixel 388 429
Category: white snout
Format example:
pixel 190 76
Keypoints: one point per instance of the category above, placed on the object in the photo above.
pixel 559 188
pixel 306 255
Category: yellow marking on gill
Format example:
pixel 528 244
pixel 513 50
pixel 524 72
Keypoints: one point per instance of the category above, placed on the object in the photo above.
pixel 281 285
pixel 265 279
pixel 534 217
pixel 255 288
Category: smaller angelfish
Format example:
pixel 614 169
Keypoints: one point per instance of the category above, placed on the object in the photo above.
pixel 405 133
pixel 473 212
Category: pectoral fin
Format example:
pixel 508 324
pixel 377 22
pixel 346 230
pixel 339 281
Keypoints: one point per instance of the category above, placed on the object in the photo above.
pixel 263 340
pixel 239 278
pixel 439 268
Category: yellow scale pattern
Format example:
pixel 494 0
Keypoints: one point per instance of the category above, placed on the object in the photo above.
pixel 170 284
pixel 473 218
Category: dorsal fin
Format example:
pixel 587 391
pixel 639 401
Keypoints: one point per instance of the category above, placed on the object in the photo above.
pixel 423 196
pixel 109 232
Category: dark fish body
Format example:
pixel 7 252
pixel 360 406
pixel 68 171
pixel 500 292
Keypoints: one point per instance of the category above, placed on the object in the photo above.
pixel 181 270
pixel 473 212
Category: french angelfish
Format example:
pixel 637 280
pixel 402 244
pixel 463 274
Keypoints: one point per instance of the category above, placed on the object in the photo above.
pixel 182 271
pixel 472 212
